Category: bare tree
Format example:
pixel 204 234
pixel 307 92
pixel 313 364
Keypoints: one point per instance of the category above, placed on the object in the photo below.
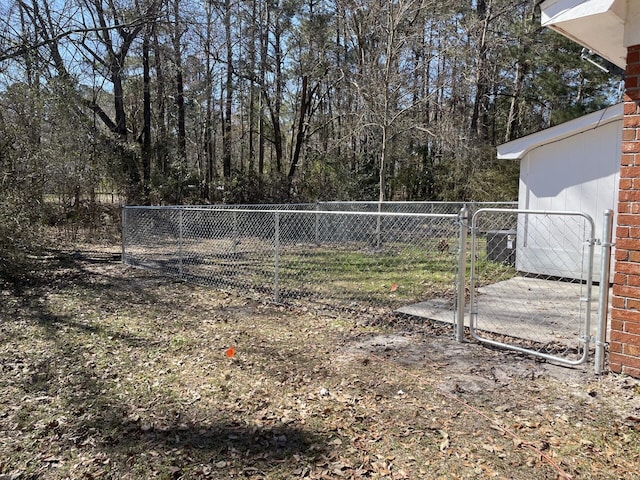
pixel 385 32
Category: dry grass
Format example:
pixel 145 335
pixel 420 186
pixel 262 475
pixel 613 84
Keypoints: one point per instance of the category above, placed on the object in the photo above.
pixel 111 372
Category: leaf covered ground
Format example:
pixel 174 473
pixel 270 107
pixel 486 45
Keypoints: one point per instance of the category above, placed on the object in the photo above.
pixel 112 372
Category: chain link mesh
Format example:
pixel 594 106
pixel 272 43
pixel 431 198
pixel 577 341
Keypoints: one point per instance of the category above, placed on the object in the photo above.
pixel 531 281
pixel 347 259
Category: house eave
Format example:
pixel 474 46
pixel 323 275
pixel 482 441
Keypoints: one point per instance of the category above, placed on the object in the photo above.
pixel 519 148
pixel 598 25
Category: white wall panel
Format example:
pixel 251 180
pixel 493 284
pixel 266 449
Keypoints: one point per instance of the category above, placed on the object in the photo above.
pixel 577 173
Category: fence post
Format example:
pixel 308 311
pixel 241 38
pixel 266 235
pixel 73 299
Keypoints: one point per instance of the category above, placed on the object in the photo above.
pixel 276 259
pixel 235 232
pixel 463 217
pixel 317 215
pixel 379 227
pixel 180 233
pixel 603 294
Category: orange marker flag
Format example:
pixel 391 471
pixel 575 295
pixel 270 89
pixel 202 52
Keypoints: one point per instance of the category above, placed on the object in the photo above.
pixel 230 352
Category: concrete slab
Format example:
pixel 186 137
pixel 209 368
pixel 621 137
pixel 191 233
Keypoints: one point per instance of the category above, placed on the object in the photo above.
pixel 544 311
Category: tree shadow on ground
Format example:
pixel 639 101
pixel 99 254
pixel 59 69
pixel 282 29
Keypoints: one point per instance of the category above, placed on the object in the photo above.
pixel 73 400
pixel 216 440
pixel 86 411
pixel 60 270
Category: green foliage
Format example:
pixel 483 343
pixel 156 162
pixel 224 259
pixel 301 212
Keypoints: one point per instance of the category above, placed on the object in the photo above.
pixel 52 161
pixel 21 184
pixel 20 234
pixel 330 179
pixel 249 188
pixel 571 86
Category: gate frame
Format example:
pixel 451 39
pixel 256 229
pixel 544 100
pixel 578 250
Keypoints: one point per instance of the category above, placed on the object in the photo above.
pixel 473 311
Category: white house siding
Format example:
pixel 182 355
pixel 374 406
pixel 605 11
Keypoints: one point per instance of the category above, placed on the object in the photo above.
pixel 571 167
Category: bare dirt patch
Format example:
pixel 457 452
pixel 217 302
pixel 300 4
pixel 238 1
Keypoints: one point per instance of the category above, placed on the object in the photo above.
pixel 112 372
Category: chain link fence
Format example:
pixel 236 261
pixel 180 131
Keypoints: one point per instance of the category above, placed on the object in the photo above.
pixel 525 284
pixel 358 260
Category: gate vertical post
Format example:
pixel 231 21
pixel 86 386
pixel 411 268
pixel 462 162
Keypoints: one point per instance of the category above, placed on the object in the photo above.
pixel 603 294
pixel 463 217
pixel 276 258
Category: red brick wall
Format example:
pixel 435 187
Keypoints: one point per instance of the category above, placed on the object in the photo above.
pixel 624 342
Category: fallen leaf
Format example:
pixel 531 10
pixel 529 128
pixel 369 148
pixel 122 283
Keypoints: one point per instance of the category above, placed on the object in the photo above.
pixel 445 442
pixel 394 287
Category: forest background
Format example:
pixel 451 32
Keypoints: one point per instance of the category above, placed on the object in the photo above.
pixel 250 101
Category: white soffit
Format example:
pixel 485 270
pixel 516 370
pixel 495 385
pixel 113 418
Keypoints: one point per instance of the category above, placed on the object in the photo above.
pixel 517 149
pixel 596 24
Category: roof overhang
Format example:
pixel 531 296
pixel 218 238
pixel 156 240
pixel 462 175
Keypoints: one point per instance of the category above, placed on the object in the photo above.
pixel 517 149
pixel 598 25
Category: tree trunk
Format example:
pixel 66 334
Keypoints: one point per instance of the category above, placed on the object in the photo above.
pixel 252 86
pixel 176 37
pixel 209 145
pixel 264 63
pixel 161 138
pixel 226 133
pixel 301 128
pixel 275 113
pixel 478 124
pixel 383 164
pixel 512 127
pixel 146 118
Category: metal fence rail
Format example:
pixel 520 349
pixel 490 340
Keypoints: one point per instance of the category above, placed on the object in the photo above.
pixel 531 282
pixel 432 207
pixel 440 208
pixel 352 259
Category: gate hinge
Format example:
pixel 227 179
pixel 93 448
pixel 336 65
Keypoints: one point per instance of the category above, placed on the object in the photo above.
pixel 586 339
pixel 600 344
pixel 598 242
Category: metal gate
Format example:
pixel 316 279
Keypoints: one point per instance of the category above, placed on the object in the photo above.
pixel 531 277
